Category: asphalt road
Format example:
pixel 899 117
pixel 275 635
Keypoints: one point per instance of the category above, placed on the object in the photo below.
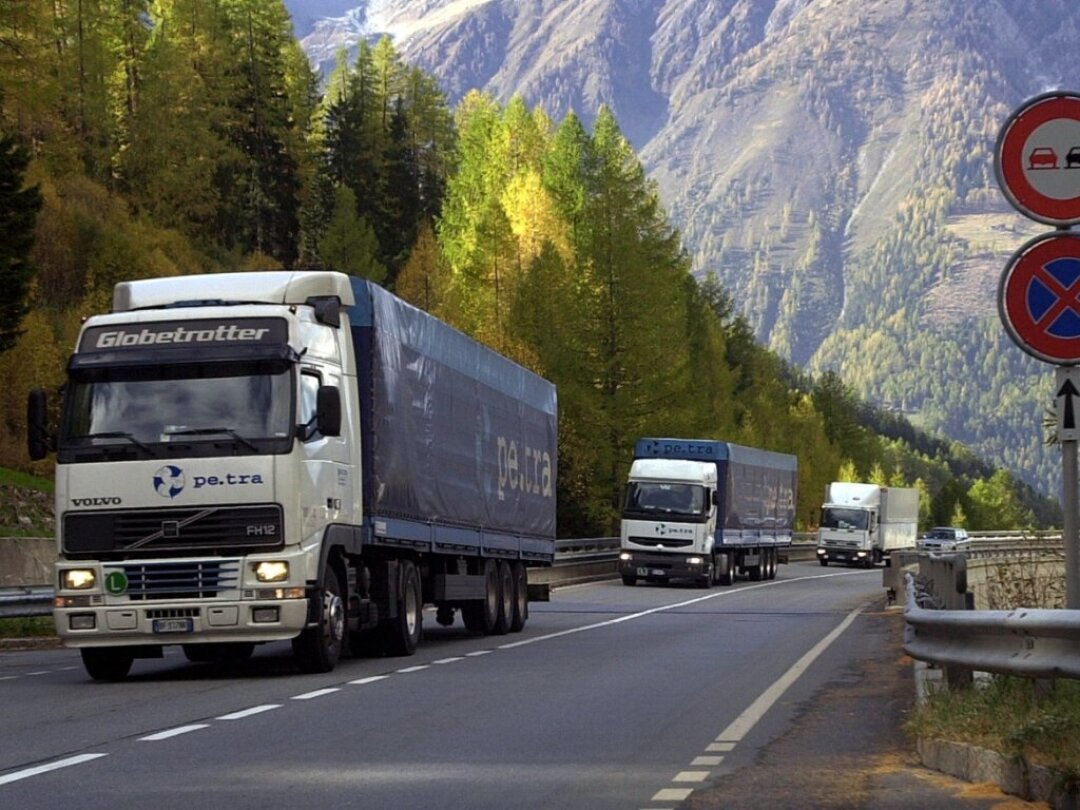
pixel 776 694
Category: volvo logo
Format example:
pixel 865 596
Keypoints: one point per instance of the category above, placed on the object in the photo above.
pixel 169 481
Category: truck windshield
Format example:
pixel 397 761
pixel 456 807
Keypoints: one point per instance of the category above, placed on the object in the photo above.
pixel 169 411
pixel 833 517
pixel 666 498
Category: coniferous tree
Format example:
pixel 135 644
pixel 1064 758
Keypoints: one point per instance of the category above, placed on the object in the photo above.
pixel 19 208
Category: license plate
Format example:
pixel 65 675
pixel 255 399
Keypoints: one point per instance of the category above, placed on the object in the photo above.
pixel 173 626
pixel 643 572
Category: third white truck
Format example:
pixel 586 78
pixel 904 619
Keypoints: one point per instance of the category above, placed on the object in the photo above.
pixel 862 524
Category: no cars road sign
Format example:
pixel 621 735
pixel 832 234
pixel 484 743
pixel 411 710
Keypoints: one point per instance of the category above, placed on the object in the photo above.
pixel 1039 298
pixel 1037 159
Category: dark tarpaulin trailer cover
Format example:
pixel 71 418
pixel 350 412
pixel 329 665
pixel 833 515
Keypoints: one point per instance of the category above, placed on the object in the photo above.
pixel 452 431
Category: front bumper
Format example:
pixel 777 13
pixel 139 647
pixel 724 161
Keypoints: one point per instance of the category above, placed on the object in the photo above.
pixel 657 566
pixel 164 623
pixel 833 554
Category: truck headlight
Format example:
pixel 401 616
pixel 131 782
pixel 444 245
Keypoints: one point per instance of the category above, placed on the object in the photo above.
pixel 694 561
pixel 77 579
pixel 272 571
pixel 821 551
pixel 625 555
pixel 860 553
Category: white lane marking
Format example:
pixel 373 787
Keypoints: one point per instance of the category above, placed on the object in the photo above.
pixel 240 715
pixel 8 677
pixel 173 732
pixel 720 746
pixel 413 669
pixel 369 679
pixel 661 608
pixel 39 672
pixel 691 776
pixel 478 652
pixel 449 660
pixel 709 762
pixel 316 693
pixel 672 794
pixel 747 720
pixel 52 766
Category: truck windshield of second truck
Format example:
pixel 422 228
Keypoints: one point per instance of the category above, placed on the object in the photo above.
pixel 683 499
pixel 833 518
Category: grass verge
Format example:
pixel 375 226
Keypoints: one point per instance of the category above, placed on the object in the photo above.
pixel 27 627
pixel 1009 715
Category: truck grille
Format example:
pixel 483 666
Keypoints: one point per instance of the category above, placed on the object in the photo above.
pixel 201 579
pixel 228 529
pixel 666 542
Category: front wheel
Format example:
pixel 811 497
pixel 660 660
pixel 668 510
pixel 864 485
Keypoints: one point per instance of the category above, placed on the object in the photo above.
pixel 629 579
pixel 823 561
pixel 318 648
pixel 105 664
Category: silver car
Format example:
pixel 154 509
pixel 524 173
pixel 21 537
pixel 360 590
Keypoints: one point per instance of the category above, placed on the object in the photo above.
pixel 944 538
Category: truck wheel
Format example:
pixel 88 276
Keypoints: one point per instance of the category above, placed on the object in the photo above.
pixel 629 579
pixel 823 561
pixel 773 564
pixel 317 649
pixel 480 615
pixel 506 599
pixel 402 633
pixel 755 571
pixel 521 597
pixel 106 664
pixel 725 569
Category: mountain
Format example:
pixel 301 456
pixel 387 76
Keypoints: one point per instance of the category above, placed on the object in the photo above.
pixel 830 160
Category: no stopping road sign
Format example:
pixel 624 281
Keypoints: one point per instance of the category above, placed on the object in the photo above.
pixel 1039 297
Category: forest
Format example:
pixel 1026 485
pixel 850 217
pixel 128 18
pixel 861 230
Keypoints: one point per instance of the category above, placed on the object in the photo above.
pixel 147 138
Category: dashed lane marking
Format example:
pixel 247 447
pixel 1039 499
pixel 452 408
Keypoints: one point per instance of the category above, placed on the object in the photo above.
pixel 240 715
pixel 51 766
pixel 317 693
pixel 173 732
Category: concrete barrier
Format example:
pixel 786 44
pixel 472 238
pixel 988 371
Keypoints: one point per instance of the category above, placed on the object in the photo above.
pixel 26 561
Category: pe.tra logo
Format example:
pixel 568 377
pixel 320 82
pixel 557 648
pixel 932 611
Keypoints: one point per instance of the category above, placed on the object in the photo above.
pixel 169 481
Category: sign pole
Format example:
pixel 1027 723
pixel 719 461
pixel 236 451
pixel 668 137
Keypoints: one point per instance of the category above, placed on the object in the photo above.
pixel 1070 502
pixel 1067 383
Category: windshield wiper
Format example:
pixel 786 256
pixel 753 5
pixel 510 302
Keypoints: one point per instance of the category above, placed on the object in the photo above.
pixel 115 434
pixel 211 430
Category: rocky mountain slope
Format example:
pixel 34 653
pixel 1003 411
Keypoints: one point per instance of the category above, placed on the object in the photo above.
pixel 830 160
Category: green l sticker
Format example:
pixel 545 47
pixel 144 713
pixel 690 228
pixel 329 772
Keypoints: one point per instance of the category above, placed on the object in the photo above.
pixel 116 582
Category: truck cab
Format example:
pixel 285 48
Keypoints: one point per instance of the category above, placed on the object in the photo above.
pixel 668 521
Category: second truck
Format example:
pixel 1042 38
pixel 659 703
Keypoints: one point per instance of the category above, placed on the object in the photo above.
pixel 705 511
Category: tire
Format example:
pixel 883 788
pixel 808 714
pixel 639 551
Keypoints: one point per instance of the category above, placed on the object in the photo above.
pixel 521 597
pixel 480 615
pixel 629 579
pixel 773 563
pixel 401 635
pixel 725 569
pixel 506 599
pixel 823 561
pixel 228 653
pixel 317 649
pixel 106 664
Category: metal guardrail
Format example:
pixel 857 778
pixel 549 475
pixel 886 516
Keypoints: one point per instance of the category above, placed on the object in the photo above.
pixel 23 601
pixel 1025 642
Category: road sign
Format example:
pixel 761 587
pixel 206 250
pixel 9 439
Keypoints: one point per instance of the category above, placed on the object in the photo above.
pixel 1039 297
pixel 1068 403
pixel 1037 159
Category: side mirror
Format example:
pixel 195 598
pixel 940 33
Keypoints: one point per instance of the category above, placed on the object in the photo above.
pixel 37 431
pixel 715 497
pixel 328 410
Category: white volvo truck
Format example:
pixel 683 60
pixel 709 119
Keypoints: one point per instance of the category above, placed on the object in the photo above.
pixel 254 457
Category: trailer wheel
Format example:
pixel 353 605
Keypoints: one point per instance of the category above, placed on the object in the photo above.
pixel 106 664
pixel 772 564
pixel 317 649
pixel 480 616
pixel 506 599
pixel 402 633
pixel 521 597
